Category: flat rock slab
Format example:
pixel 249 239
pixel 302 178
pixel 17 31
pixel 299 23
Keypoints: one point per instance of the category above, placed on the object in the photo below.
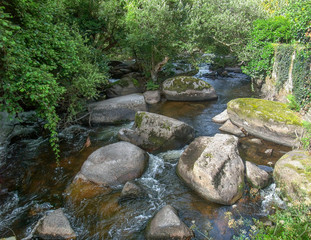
pixel 229 127
pixel 185 88
pixel 221 117
pixel 272 121
pixel 167 225
pixel 153 132
pixel 213 168
pixel 114 164
pixel 292 174
pixel 116 109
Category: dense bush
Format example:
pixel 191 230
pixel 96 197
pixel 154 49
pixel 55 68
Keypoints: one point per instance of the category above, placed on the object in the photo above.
pixel 46 65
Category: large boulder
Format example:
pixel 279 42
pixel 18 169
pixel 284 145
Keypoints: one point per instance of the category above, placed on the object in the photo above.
pixel 54 226
pixel 256 176
pixel 114 164
pixel 153 131
pixel 213 168
pixel 292 174
pixel 167 225
pixel 272 121
pixel 117 109
pixel 184 88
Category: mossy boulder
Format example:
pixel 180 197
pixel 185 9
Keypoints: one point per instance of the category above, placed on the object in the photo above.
pixel 185 88
pixel 155 132
pixel 272 121
pixel 292 174
pixel 213 168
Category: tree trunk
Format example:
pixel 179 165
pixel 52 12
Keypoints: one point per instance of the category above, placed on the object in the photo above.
pixel 155 69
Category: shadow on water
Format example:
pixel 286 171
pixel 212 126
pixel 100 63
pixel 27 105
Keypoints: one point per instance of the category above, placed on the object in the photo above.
pixel 31 182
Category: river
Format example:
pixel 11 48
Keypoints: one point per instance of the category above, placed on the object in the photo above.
pixel 32 184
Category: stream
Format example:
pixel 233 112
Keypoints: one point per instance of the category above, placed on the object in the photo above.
pixel 32 184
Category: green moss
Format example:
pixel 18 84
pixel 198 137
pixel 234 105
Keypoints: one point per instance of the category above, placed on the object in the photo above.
pixel 155 139
pixel 183 83
pixel 208 155
pixel 122 83
pixel 139 118
pixel 264 110
pixel 166 125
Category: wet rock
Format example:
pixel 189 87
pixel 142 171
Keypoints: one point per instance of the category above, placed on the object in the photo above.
pixel 213 168
pixel 152 97
pixel 257 177
pixel 131 191
pixel 157 132
pixel 221 118
pixel 120 69
pixel 167 225
pixel 117 109
pixel 178 69
pixel 54 226
pixel 272 121
pixel 75 136
pixel 269 152
pixel 256 141
pixel 292 175
pixel 184 88
pixel 231 128
pixel 114 164
pixel 124 86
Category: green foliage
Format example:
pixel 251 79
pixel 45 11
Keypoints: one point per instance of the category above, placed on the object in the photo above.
pixel 260 59
pixel 276 30
pixel 283 59
pixel 292 103
pixel 302 78
pixel 47 65
pixel 290 223
pixel 155 31
pixel 151 86
pixel 306 139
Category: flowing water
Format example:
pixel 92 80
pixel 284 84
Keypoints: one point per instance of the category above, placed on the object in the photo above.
pixel 32 184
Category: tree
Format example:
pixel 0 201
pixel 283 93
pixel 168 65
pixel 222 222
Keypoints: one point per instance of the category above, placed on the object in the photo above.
pixel 46 65
pixel 156 32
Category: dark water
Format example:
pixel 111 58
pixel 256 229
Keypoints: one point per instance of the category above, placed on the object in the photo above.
pixel 32 184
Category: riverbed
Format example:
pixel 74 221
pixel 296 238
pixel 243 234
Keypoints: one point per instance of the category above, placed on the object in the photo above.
pixel 32 183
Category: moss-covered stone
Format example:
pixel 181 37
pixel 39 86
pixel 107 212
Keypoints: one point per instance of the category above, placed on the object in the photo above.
pixel 139 116
pixel 184 83
pixel 292 174
pixel 264 110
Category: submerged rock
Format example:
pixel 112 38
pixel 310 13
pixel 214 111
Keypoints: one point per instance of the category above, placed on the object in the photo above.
pixel 257 177
pixel 221 117
pixel 272 121
pixel 114 164
pixel 153 131
pixel 292 174
pixel 185 88
pixel 213 168
pixel 167 225
pixel 117 109
pixel 54 226
pixel 131 191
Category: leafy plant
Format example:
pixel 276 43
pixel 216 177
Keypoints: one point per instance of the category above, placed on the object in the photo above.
pixel 292 103
pixel 151 86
